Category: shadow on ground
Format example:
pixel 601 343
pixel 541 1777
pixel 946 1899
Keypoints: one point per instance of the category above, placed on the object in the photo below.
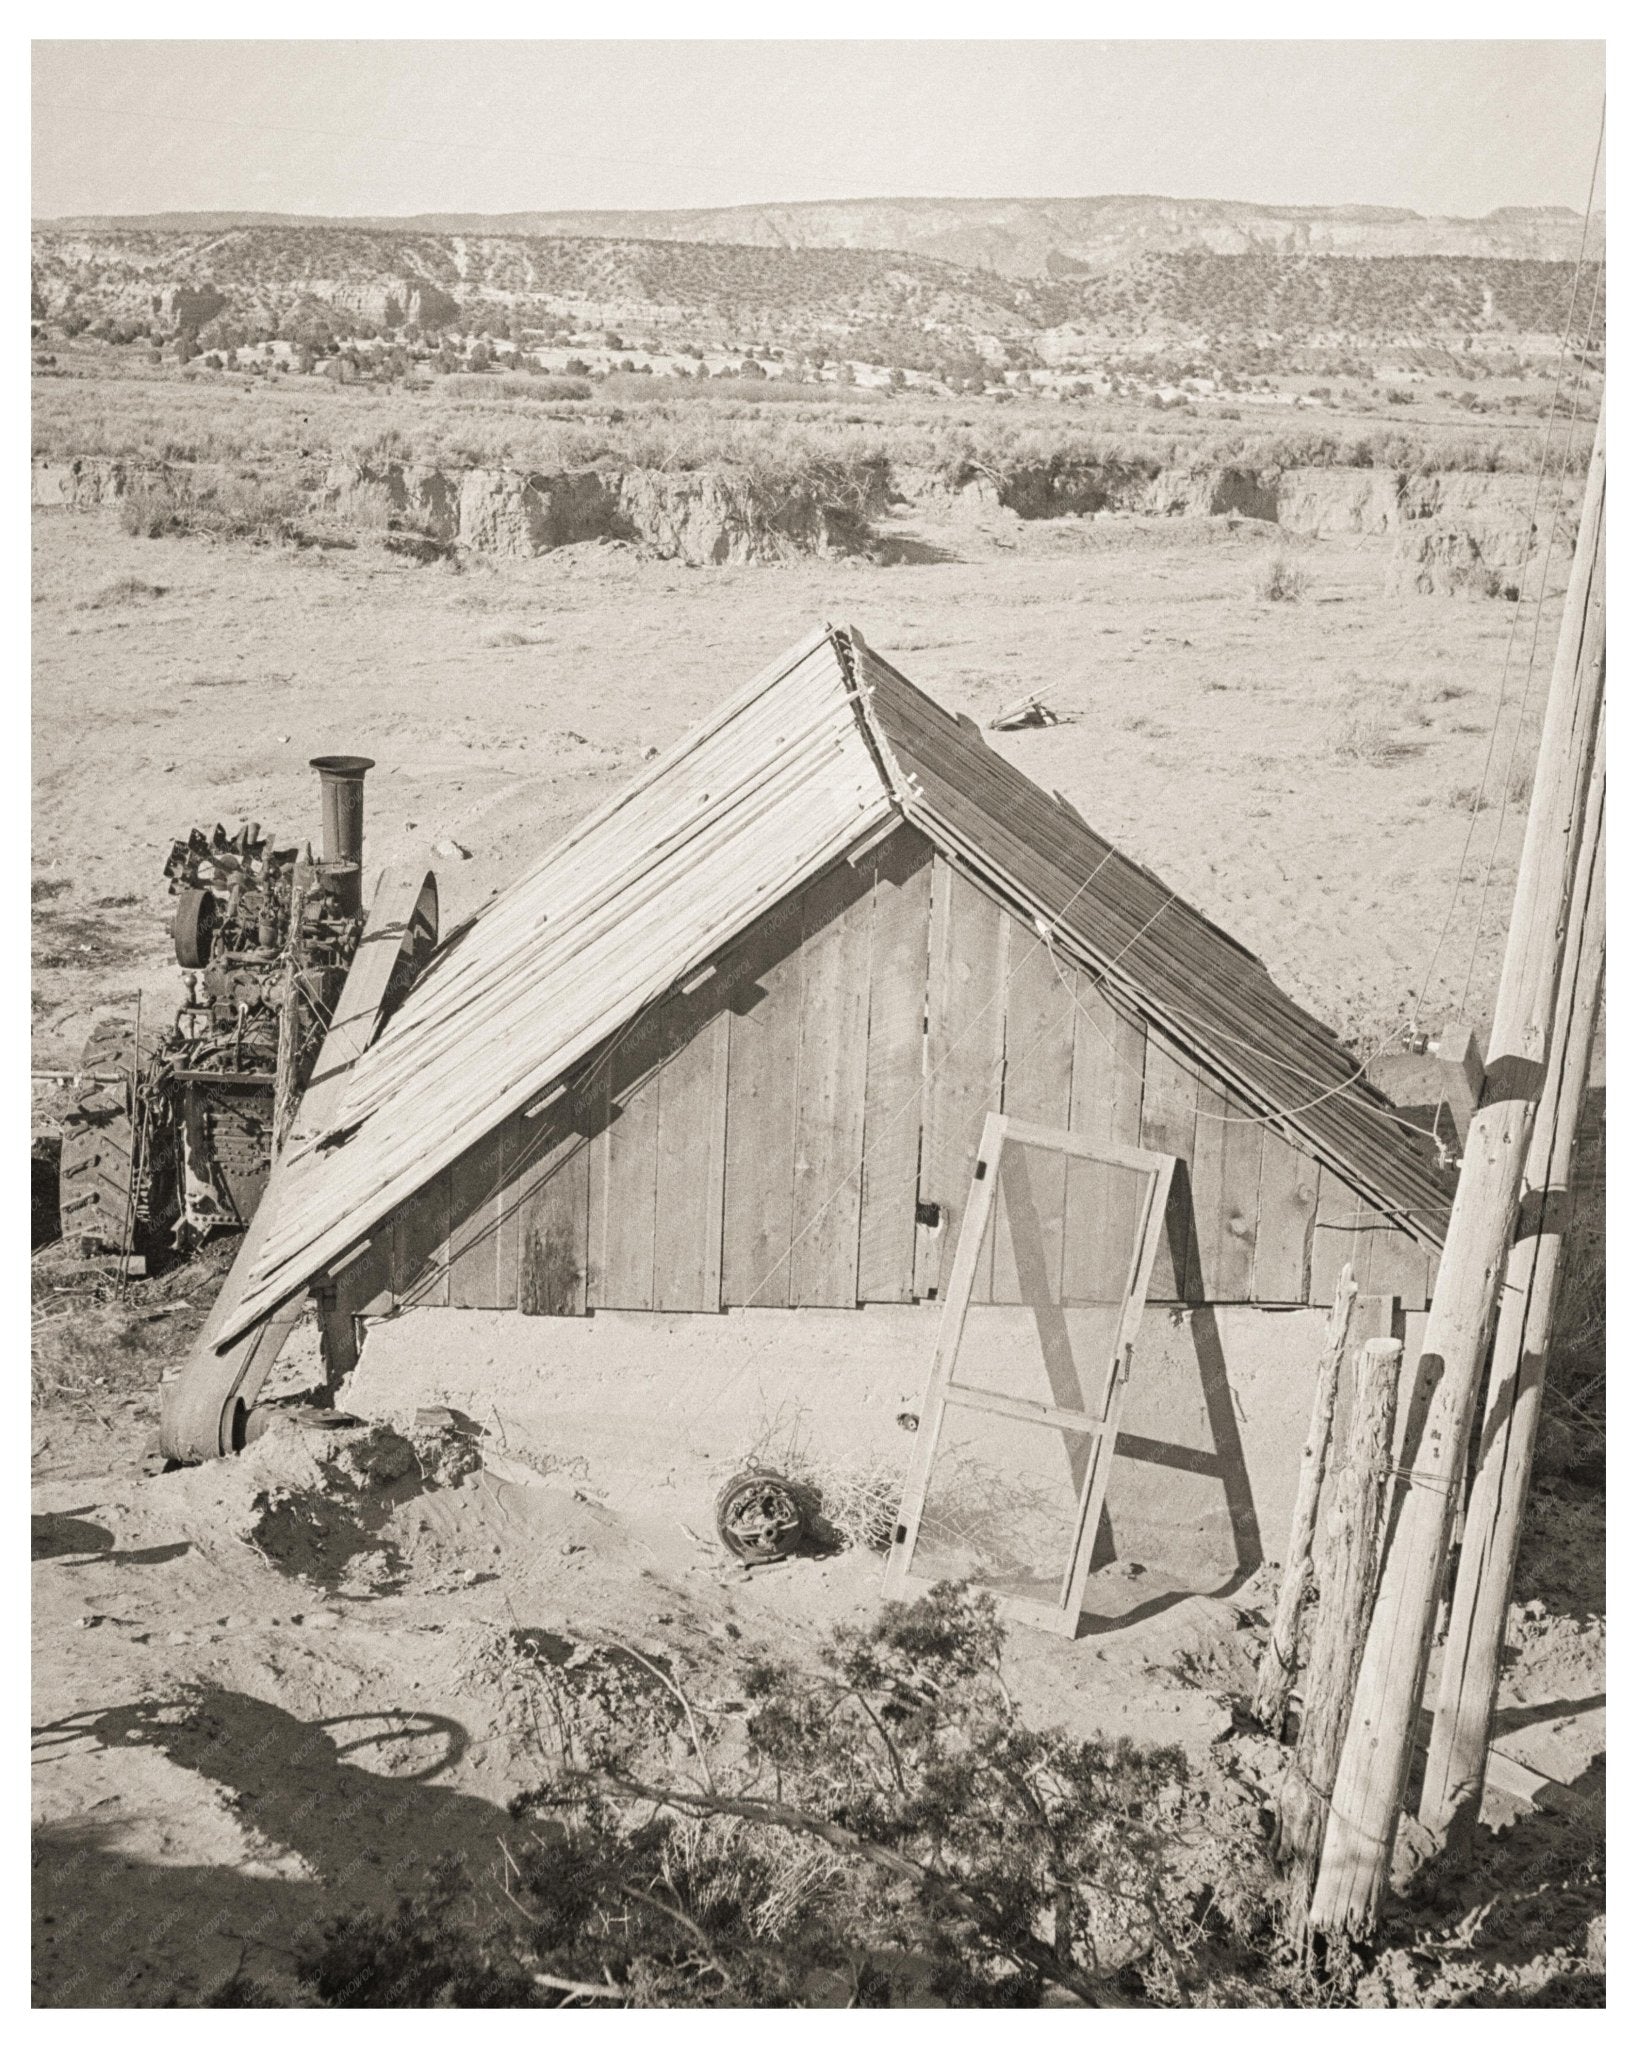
pixel 76 1539
pixel 353 1797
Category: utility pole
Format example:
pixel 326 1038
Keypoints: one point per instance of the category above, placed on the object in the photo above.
pixel 1452 1790
pixel 1369 1790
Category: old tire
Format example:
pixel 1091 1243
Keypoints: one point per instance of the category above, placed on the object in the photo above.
pixel 761 1515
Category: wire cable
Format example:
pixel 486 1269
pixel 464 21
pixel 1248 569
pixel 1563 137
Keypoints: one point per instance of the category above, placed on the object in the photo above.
pixel 1503 804
pixel 1506 661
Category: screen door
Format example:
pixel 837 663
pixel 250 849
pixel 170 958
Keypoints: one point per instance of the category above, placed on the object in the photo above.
pixel 1018 1426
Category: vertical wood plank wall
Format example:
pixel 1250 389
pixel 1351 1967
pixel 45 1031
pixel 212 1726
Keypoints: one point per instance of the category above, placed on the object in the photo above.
pixel 800 1129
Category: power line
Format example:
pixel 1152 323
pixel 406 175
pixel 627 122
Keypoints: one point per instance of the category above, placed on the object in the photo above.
pixel 1506 662
pixel 1528 687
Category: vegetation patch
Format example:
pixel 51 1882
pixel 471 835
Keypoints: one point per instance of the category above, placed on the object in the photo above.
pixel 262 510
pixel 883 1830
pixel 1279 580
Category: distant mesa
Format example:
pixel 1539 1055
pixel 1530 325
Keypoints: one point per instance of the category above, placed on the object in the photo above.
pixel 961 292
pixel 1016 237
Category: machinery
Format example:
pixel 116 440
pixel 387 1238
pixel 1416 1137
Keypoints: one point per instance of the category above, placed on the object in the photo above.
pixel 170 1139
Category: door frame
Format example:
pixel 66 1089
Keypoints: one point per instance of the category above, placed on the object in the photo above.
pixel 1100 1423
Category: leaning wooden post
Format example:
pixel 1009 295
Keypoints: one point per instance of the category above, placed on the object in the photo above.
pixel 1277 1671
pixel 1452 1789
pixel 1346 1557
pixel 1369 1791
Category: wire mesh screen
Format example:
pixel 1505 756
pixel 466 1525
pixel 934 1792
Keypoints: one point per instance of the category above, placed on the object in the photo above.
pixel 1008 1477
pixel 1002 1505
pixel 1054 1270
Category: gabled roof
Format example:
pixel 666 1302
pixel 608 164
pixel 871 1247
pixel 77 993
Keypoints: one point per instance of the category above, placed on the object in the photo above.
pixel 1158 957
pixel 816 755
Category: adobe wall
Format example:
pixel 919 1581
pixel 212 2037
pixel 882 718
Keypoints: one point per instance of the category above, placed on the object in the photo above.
pixel 653 1412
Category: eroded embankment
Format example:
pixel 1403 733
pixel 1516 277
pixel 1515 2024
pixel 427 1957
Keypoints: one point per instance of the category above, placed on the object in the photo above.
pixel 691 516
pixel 1473 532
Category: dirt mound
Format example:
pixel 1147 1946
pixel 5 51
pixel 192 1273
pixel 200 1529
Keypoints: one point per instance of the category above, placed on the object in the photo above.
pixel 314 1500
pixel 1448 564
pixel 362 1509
pixel 1467 536
pixel 1316 501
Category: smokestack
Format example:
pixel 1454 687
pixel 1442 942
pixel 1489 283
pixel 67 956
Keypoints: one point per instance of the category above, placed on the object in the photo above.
pixel 342 777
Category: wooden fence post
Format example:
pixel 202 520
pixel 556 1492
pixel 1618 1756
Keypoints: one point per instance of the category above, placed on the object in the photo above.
pixel 1452 1789
pixel 1277 1671
pixel 1346 1559
pixel 1369 1789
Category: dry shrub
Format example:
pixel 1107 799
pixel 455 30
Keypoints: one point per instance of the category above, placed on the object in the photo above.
pixel 854 1500
pixel 383 445
pixel 155 507
pixel 517 387
pixel 881 1830
pixel 370 506
pixel 1365 733
pixel 1469 797
pixel 638 389
pixel 252 508
pixel 1373 715
pixel 86 1347
pixel 1279 580
pixel 525 424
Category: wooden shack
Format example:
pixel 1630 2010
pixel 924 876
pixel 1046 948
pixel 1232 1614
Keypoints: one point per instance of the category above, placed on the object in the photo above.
pixel 732 1044
pixel 791 1118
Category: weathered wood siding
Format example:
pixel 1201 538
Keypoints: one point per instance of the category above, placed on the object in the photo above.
pixel 799 1128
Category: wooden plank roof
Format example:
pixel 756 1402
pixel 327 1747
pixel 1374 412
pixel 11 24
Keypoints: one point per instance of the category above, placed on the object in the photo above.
pixel 1156 955
pixel 774 785
pixel 807 761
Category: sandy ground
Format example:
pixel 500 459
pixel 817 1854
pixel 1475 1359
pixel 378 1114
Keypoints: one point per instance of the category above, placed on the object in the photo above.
pixel 1213 736
pixel 269 1690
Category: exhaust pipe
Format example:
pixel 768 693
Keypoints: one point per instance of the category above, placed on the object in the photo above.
pixel 342 780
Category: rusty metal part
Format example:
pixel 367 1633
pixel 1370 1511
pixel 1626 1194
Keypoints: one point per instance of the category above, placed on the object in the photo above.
pixel 760 1516
pixel 286 1069
pixel 265 936
pixel 225 1134
pixel 99 1163
pixel 342 779
pixel 193 925
pixel 207 1407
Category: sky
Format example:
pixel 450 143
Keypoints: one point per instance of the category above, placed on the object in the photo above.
pixel 498 127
